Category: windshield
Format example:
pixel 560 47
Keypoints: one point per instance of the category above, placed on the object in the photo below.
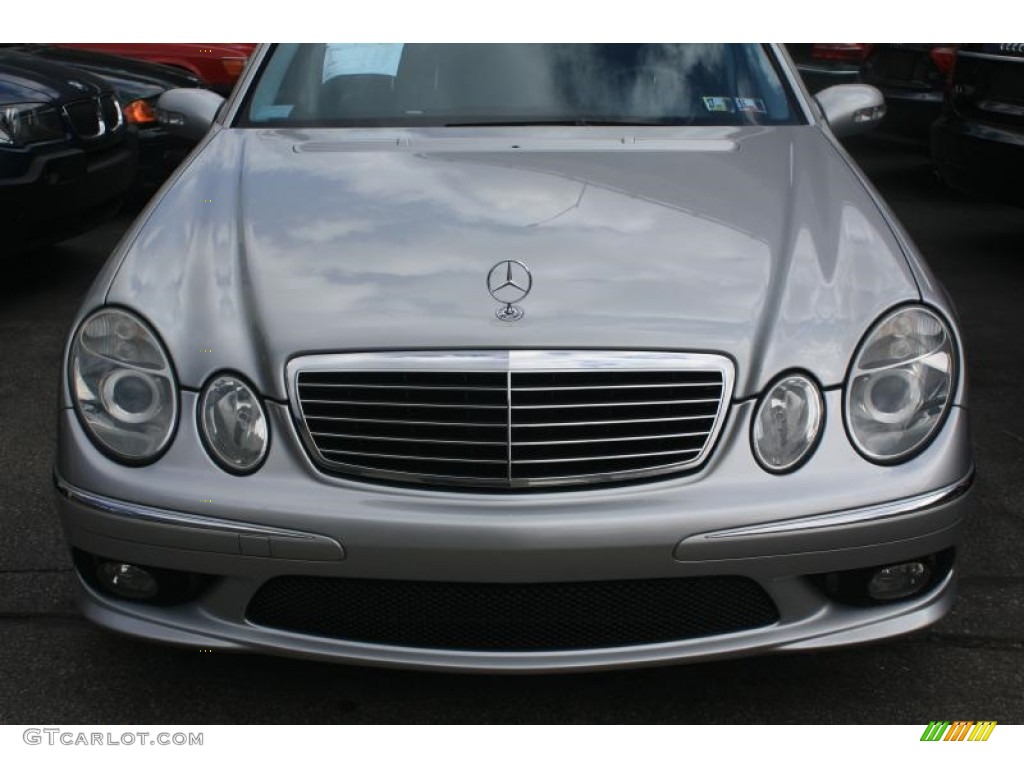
pixel 395 84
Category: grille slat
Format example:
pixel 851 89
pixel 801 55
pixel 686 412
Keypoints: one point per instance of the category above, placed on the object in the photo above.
pixel 465 460
pixel 512 617
pixel 558 433
pixel 544 416
pixel 408 439
pixel 625 404
pixel 591 440
pixel 610 457
pixel 606 387
pixel 511 419
pixel 411 470
pixel 402 405
pixel 391 421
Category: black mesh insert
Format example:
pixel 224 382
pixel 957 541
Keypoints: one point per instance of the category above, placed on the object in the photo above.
pixel 512 617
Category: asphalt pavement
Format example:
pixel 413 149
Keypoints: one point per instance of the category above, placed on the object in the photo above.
pixel 57 668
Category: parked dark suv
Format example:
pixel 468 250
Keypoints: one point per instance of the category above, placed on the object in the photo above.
pixel 912 77
pixel 138 84
pixel 66 156
pixel 978 143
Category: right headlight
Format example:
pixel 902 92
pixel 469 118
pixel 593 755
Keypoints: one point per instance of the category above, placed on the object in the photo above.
pixel 233 424
pixel 900 385
pixel 123 386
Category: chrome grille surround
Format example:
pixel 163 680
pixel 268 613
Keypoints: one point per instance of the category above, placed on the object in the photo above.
pixel 96 117
pixel 509 419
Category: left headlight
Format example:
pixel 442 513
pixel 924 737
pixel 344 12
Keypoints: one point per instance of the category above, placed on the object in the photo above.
pixel 901 385
pixel 123 386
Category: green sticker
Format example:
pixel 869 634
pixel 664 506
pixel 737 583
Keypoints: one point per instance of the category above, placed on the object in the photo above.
pixel 718 104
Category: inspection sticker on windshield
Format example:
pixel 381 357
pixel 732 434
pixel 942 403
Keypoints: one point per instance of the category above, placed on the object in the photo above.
pixel 272 111
pixel 744 104
pixel 718 104
pixel 361 59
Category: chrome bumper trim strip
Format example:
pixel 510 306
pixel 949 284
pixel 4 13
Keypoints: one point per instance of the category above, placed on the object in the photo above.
pixel 850 516
pixel 149 514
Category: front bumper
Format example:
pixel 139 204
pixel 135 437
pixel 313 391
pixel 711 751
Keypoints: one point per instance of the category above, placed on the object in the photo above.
pixel 836 513
pixel 60 193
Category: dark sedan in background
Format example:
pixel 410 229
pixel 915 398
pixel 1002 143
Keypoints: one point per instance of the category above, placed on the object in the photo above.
pixel 978 143
pixel 66 154
pixel 822 65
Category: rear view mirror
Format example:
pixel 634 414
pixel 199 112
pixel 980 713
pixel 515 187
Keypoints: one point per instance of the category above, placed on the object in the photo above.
pixel 852 109
pixel 188 112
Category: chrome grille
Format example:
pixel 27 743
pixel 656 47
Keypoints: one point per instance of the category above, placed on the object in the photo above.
pixel 510 419
pixel 110 108
pixel 93 118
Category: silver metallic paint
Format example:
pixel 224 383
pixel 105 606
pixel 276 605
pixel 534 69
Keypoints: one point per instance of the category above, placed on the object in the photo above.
pixel 314 252
pixel 763 244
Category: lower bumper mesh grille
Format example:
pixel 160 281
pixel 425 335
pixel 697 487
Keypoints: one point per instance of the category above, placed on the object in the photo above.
pixel 512 617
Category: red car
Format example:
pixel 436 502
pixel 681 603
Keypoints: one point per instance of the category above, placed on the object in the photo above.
pixel 219 64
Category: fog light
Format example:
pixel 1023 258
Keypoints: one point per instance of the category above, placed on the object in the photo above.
pixel 896 581
pixel 886 583
pixel 126 580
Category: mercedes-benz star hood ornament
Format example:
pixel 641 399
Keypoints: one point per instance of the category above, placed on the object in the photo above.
pixel 509 282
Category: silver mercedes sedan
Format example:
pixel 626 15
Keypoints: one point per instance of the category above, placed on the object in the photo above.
pixel 515 358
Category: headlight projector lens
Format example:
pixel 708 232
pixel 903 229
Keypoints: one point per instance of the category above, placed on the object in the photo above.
pixel 130 396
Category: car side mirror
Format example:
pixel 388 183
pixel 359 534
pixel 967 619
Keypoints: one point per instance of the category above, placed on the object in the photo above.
pixel 188 112
pixel 851 109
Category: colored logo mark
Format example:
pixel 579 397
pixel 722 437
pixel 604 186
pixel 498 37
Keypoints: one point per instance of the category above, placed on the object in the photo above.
pixel 958 730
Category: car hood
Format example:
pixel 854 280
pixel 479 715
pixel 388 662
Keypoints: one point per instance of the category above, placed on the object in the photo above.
pixel 759 243
pixel 27 78
pixel 130 78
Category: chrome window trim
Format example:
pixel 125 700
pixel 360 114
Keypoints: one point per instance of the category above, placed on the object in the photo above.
pixel 507 361
pixel 796 84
